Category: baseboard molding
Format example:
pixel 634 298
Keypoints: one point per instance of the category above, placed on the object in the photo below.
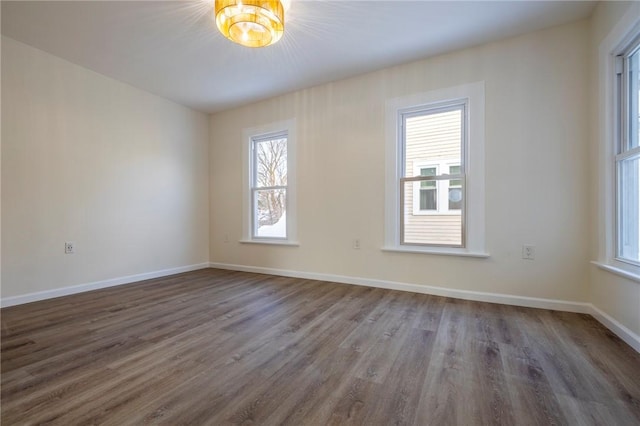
pixel 65 291
pixel 505 299
pixel 631 338
pixel 612 324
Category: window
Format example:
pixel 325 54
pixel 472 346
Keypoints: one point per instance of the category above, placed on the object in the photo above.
pixel 428 194
pixel 618 194
pixel 427 199
pixel 627 158
pixel 435 172
pixel 454 192
pixel 432 140
pixel 269 184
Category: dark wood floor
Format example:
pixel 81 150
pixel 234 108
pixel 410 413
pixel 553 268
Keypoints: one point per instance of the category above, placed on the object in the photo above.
pixel 219 347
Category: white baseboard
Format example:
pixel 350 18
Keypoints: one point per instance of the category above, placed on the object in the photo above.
pixel 631 338
pixel 505 299
pixel 620 330
pixel 65 291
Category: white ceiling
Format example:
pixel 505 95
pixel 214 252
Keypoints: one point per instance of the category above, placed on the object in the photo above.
pixel 173 49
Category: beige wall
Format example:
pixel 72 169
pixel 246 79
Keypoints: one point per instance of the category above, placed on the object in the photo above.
pixel 537 159
pixel 616 296
pixel 121 173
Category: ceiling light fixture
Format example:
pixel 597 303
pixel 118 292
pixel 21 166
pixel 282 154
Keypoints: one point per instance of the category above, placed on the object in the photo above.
pixel 251 23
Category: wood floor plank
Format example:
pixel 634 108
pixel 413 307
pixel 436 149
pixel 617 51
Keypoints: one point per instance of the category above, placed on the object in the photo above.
pixel 406 378
pixel 222 347
pixel 377 365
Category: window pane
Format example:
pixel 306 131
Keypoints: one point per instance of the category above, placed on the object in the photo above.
pixel 629 208
pixel 454 183
pixel 634 99
pixel 428 171
pixel 454 170
pixel 271 163
pixel 455 197
pixel 430 228
pixel 431 138
pixel 270 216
pixel 428 199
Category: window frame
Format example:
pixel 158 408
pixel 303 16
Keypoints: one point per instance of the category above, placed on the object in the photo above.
pixel 250 137
pixel 254 182
pixel 474 231
pixel 622 140
pixel 620 38
pixel 439 178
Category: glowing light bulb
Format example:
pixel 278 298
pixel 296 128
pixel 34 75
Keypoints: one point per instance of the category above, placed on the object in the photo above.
pixel 255 24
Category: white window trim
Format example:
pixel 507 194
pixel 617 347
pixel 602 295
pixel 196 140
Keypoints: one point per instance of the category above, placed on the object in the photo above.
pixel 473 93
pixel 248 135
pixel 619 38
pixel 442 186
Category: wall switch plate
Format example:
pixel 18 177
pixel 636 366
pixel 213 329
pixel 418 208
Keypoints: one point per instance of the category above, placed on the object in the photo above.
pixel 528 252
pixel 69 247
pixel 356 244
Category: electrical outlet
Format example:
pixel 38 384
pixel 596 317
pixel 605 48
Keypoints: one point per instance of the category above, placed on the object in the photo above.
pixel 69 247
pixel 528 252
pixel 226 238
pixel 356 244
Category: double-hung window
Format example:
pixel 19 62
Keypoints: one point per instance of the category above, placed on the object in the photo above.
pixel 269 186
pixel 627 158
pixel 269 202
pixel 432 141
pixel 434 196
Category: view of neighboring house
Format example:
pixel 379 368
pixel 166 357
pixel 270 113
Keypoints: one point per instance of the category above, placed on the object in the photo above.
pixel 433 209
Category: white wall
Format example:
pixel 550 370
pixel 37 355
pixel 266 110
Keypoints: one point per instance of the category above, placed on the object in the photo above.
pixel 118 171
pixel 616 296
pixel 537 158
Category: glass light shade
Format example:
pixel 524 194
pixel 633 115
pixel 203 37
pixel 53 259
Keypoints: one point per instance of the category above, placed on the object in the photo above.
pixel 251 23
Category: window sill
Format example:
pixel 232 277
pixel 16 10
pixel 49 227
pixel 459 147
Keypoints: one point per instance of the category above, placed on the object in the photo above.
pixel 447 213
pixel 437 251
pixel 618 271
pixel 272 242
